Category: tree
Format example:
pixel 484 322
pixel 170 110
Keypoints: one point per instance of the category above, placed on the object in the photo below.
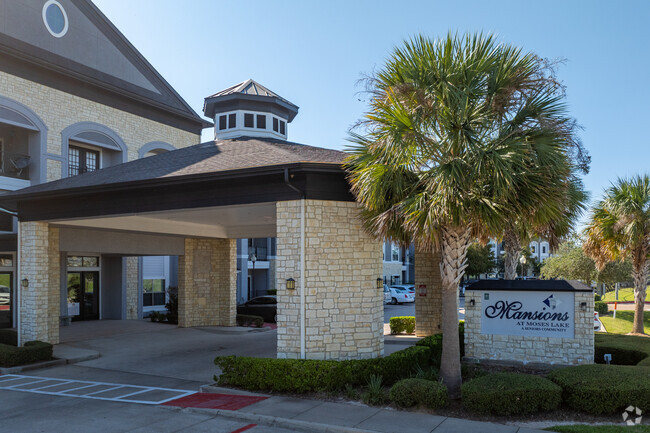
pixel 570 263
pixel 461 137
pixel 480 260
pixel 619 228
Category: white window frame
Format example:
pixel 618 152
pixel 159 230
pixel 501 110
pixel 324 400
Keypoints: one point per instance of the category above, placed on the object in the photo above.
pixel 82 145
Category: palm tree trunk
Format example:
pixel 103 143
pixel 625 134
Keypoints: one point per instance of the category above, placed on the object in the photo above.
pixel 640 285
pixel 512 246
pixel 455 241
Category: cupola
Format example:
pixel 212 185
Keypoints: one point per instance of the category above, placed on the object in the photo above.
pixel 249 109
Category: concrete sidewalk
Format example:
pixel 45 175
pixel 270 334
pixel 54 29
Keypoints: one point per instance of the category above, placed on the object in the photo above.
pixel 349 417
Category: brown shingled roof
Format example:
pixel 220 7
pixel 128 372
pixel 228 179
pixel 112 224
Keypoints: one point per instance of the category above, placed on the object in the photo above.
pixel 205 158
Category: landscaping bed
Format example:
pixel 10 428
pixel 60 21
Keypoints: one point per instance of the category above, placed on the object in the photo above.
pixel 31 352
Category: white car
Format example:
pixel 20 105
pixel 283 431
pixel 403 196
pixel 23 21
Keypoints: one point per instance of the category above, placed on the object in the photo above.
pixel 5 295
pixel 387 295
pixel 400 296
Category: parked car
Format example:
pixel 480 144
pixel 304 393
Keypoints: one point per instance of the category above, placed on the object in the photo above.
pixel 263 306
pixel 408 287
pixel 5 295
pixel 399 295
pixel 387 295
pixel 596 321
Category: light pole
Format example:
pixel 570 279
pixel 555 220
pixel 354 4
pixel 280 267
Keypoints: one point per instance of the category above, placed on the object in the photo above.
pixel 522 260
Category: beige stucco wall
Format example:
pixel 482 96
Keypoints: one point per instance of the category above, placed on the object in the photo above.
pixel 58 110
pixel 207 281
pixel 40 301
pixel 343 308
pixel 526 349
pixel 428 309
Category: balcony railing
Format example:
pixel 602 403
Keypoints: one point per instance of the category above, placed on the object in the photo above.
pixel 15 165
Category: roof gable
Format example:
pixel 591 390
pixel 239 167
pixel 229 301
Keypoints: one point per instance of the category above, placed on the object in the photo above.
pixel 92 50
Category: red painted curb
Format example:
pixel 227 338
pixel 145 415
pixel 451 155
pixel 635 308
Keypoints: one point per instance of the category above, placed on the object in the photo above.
pixel 206 400
pixel 246 427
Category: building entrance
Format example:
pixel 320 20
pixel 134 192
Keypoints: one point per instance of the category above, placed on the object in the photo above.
pixel 83 295
pixel 6 300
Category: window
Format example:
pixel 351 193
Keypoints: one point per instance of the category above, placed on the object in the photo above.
pixel 6 260
pixel 83 262
pixel 153 292
pixel 261 121
pixel 275 124
pixel 394 249
pixel 82 160
pixel 222 122
pixel 282 127
pixel 532 249
pixel 232 120
pixel 55 18
pixel 543 250
pixel 249 120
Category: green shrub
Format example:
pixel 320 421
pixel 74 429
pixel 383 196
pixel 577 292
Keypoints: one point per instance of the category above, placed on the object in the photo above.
pixel 402 324
pixel 33 351
pixel 510 393
pixel 604 389
pixel 9 337
pixel 172 305
pixel 415 392
pixel 597 297
pixel 308 375
pixel 625 349
pixel 600 307
pixel 375 394
pixel 434 342
pixel 248 320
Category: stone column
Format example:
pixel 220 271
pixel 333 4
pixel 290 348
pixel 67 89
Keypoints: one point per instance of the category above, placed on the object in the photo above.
pixel 428 309
pixel 132 287
pixel 41 301
pixel 207 283
pixel 343 307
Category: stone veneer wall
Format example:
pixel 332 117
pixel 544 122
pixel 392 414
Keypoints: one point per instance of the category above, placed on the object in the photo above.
pixel 58 110
pixel 428 309
pixel 543 350
pixel 40 301
pixel 343 307
pixel 207 279
pixel 132 287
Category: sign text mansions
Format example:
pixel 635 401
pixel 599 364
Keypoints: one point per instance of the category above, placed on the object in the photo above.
pixel 534 314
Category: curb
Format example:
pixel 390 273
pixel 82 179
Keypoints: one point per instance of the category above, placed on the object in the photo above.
pixel 272 421
pixel 46 364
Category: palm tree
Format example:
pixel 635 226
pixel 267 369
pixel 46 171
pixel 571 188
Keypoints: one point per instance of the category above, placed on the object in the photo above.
pixel 620 229
pixel 461 135
pixel 550 220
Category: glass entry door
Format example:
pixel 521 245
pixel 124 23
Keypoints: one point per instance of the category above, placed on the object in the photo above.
pixel 83 295
pixel 6 300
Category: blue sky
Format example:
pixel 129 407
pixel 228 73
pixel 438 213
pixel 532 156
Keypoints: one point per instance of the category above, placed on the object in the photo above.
pixel 314 52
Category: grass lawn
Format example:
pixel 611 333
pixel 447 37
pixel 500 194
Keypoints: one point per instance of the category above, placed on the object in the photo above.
pixel 624 295
pixel 623 322
pixel 580 428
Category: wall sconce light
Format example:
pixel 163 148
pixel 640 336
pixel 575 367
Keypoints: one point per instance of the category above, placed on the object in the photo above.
pixel 380 283
pixel 24 283
pixel 472 302
pixel 291 284
pixel 583 306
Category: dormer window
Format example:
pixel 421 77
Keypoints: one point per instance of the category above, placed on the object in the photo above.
pixel 261 121
pixel 249 120
pixel 279 125
pixel 227 121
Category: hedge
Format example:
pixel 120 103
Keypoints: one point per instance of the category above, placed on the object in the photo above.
pixel 8 336
pixel 604 389
pixel 33 351
pixel 434 342
pixel 510 393
pixel 308 375
pixel 600 307
pixel 415 392
pixel 625 349
pixel 247 320
pixel 402 324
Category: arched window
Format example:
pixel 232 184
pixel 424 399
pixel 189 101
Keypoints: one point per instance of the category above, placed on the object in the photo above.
pixel 154 148
pixel 23 144
pixel 89 146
